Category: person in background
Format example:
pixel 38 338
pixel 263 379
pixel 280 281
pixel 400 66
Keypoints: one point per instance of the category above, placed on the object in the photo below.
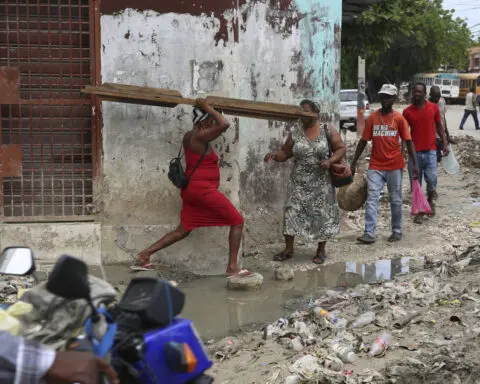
pixel 478 102
pixel 27 362
pixel 470 109
pixel 311 210
pixel 425 121
pixel 385 128
pixel 436 97
pixel 203 205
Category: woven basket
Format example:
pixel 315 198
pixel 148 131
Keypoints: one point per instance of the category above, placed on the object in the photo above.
pixel 353 196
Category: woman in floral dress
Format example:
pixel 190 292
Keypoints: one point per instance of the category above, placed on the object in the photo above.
pixel 311 210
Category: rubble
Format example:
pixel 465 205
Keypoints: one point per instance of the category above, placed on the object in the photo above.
pixel 283 273
pixel 242 283
pixel 426 323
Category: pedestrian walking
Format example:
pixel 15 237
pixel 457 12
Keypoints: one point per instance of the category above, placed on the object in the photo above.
pixel 385 127
pixel 425 121
pixel 470 109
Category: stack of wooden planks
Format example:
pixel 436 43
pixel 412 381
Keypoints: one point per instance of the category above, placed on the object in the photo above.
pixel 169 98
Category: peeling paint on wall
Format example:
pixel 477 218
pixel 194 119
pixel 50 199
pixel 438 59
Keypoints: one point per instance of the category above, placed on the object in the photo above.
pixel 267 50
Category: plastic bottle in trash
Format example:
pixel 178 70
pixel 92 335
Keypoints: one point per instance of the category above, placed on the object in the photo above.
pixel 364 319
pixel 380 344
pixel 320 312
pixel 344 352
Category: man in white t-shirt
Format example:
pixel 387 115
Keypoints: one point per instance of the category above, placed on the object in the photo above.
pixel 470 109
pixel 436 97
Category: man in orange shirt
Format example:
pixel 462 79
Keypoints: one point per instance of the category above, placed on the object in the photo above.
pixel 385 128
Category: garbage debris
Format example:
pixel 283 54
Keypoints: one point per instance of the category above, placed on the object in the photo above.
pixel 364 319
pixel 380 345
pixel 320 312
pixel 344 352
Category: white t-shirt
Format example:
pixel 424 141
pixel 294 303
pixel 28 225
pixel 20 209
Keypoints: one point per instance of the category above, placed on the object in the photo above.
pixel 469 104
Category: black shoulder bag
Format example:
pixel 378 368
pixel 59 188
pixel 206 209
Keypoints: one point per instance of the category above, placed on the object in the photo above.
pixel 176 174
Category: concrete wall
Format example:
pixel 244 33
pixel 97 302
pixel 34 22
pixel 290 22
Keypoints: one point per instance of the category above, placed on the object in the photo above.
pixel 279 51
pixel 50 240
pixel 275 50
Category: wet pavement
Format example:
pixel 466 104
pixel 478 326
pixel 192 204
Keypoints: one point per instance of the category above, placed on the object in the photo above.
pixel 218 312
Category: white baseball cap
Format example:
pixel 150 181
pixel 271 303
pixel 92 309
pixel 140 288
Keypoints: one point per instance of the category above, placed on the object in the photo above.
pixel 389 89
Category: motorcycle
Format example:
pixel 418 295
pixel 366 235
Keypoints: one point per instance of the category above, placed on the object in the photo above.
pixel 142 336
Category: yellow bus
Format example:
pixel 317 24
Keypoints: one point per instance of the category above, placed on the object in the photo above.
pixel 467 82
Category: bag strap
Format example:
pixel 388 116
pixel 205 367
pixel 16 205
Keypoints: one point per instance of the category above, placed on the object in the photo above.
pixel 198 162
pixel 180 150
pixel 329 140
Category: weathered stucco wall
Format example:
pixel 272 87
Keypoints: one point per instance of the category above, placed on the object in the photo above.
pixel 50 240
pixel 273 51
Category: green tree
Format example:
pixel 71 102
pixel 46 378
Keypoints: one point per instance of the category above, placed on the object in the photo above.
pixel 399 38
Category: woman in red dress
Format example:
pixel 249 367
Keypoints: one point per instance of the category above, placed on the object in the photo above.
pixel 203 205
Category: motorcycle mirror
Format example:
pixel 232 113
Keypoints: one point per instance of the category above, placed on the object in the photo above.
pixel 17 261
pixel 69 279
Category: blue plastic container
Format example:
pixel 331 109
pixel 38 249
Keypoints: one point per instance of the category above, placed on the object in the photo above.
pixel 181 331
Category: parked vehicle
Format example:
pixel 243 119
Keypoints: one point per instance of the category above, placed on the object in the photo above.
pixel 348 109
pixel 142 336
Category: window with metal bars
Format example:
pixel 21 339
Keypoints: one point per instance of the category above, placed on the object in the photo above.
pixel 49 41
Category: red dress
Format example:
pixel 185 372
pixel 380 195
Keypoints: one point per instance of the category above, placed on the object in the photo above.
pixel 203 204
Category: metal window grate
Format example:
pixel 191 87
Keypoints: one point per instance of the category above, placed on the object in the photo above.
pixel 49 41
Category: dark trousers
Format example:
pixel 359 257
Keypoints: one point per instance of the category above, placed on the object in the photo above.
pixel 439 149
pixel 465 117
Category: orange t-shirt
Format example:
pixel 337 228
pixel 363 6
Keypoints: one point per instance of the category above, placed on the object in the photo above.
pixel 385 132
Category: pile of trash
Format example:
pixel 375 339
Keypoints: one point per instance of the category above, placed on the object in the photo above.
pixel 12 287
pixel 467 150
pixel 416 329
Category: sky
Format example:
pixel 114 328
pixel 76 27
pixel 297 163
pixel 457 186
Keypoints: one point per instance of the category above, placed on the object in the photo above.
pixel 466 9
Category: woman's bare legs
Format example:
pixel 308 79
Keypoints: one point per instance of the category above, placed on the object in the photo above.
pixel 321 255
pixel 170 238
pixel 234 241
pixel 287 253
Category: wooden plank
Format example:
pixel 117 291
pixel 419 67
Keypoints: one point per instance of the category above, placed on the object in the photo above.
pixel 229 103
pixel 136 88
pixel 171 98
pixel 159 99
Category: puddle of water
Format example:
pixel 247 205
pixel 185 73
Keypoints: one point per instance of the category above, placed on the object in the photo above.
pixel 218 312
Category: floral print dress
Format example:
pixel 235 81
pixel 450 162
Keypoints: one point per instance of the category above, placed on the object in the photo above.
pixel 311 210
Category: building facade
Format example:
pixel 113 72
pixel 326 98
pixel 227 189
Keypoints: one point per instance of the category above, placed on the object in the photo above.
pixel 88 178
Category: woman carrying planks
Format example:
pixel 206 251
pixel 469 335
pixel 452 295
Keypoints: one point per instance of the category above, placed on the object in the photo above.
pixel 311 209
pixel 203 205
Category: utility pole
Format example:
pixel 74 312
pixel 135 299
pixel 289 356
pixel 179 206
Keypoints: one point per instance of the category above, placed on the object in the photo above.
pixel 361 97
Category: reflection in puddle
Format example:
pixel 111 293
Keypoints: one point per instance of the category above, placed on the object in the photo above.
pixel 217 312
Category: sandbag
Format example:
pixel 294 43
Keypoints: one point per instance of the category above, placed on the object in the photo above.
pixel 352 196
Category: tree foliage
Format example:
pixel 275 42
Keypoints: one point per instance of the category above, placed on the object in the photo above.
pixel 399 38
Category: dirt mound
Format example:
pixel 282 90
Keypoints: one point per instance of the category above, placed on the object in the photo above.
pixel 467 150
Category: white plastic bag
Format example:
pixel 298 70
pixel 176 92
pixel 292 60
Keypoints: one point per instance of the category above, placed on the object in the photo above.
pixel 450 163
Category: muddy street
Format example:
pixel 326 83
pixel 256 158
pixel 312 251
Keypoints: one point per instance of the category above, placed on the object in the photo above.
pixel 272 335
pixel 432 274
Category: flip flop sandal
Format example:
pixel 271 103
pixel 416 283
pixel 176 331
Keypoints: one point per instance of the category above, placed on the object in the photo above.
pixel 241 273
pixel 282 256
pixel 142 267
